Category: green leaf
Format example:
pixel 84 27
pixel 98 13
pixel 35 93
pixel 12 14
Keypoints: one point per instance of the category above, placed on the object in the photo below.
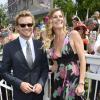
pixel 70 98
pixel 69 67
pixel 55 94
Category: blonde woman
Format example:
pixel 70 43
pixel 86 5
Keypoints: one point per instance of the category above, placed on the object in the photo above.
pixel 65 50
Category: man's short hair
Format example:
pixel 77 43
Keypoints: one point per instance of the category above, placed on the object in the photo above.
pixel 24 13
pixel 92 21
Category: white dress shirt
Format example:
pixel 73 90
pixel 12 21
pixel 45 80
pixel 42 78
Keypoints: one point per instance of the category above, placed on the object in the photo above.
pixel 24 45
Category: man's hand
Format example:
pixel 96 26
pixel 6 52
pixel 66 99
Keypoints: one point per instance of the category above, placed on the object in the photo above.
pixel 26 87
pixel 37 88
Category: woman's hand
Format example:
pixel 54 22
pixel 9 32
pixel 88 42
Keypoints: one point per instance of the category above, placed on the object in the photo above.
pixel 79 89
pixel 54 67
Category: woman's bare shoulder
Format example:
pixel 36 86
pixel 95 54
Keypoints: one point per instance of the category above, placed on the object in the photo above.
pixel 75 34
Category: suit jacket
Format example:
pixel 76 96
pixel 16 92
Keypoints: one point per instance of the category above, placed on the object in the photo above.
pixel 14 59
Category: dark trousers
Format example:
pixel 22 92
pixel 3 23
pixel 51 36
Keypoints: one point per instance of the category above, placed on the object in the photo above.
pixel 60 98
pixel 30 96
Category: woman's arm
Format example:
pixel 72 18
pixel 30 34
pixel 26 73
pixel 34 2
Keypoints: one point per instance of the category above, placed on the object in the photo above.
pixel 79 48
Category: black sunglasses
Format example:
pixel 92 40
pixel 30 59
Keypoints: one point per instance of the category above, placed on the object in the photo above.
pixel 24 25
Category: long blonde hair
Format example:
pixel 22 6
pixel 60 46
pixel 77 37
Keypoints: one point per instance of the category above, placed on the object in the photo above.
pixel 49 30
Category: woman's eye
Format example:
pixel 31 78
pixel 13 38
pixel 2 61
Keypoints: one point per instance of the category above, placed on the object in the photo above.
pixel 60 16
pixel 54 16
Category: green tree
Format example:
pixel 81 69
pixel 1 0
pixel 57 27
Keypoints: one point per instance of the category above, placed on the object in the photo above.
pixel 3 16
pixel 81 6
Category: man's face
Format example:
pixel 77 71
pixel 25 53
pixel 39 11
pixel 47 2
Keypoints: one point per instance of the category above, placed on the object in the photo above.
pixel 25 27
pixel 91 27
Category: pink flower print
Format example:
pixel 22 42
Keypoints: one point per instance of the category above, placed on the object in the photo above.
pixel 72 92
pixel 62 72
pixel 59 90
pixel 75 69
pixel 51 51
pixel 66 41
pixel 67 83
pixel 52 54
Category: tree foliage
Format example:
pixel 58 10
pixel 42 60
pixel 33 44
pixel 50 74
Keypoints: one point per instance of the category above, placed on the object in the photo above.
pixel 3 16
pixel 83 5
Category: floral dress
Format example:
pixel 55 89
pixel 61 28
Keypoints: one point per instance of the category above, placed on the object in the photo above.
pixel 67 76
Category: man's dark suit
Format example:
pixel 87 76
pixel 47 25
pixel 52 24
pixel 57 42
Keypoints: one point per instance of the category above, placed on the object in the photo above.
pixel 13 58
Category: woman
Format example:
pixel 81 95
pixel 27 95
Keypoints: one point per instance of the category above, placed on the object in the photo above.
pixel 65 51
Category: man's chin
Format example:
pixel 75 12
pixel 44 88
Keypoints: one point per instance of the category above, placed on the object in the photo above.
pixel 26 37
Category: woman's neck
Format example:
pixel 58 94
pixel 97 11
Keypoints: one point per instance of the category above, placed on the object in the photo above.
pixel 59 32
pixel 58 41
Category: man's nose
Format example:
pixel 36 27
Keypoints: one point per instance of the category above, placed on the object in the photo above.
pixel 26 26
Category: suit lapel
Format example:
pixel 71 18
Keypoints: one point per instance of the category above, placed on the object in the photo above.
pixel 20 54
pixel 35 51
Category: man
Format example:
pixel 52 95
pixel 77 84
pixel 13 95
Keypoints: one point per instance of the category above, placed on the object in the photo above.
pixel 92 26
pixel 30 71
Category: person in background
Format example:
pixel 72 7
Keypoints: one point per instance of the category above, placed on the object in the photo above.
pixel 79 26
pixel 95 69
pixel 65 51
pixel 95 49
pixel 26 59
pixel 75 21
pixel 37 32
pixel 93 46
pixel 5 37
pixel 92 26
pixel 96 16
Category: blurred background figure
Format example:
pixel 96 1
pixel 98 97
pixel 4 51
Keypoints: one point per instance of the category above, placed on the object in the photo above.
pixel 94 48
pixel 75 20
pixel 82 29
pixel 92 26
pixel 96 16
pixel 36 32
pixel 39 31
pixel 95 69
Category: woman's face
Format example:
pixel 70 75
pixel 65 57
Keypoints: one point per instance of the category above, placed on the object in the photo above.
pixel 57 20
pixel 74 22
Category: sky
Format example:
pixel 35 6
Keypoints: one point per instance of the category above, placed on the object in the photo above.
pixel 3 1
